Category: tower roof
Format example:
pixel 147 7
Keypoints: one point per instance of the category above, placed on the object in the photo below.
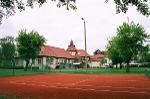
pixel 71 43
pixel 71 47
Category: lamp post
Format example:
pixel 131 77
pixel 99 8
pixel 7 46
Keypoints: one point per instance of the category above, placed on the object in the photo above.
pixel 85 44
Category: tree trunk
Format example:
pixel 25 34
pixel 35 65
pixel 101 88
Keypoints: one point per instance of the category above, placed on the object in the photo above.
pixel 60 67
pixel 26 67
pixel 120 66
pixel 31 66
pixel 128 68
pixel 49 67
pixel 138 68
pixel 116 66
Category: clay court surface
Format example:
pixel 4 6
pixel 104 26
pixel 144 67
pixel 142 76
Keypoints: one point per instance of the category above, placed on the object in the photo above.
pixel 76 86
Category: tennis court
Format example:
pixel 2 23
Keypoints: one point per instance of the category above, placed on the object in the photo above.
pixel 77 86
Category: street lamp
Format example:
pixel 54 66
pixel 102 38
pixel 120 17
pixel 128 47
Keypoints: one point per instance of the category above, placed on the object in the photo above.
pixel 85 44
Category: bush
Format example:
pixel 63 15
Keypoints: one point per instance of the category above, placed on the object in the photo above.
pixel 146 65
pixel 11 67
pixel 57 67
pixel 88 66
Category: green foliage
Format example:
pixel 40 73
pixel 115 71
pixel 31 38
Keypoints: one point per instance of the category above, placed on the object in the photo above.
pixel 147 58
pixel 112 51
pixel 134 70
pixel 102 62
pixel 9 6
pixel 123 5
pixel 67 3
pixel 129 43
pixel 96 52
pixel 65 61
pixel 57 67
pixel 29 45
pixel 147 73
pixel 130 40
pixel 8 67
pixel 7 50
pixel 50 60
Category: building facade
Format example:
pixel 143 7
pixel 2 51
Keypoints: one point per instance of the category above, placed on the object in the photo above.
pixel 49 56
pixel 52 57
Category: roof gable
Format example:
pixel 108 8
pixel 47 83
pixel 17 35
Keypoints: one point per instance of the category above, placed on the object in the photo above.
pixel 55 52
pixel 71 48
pixel 97 57
pixel 81 53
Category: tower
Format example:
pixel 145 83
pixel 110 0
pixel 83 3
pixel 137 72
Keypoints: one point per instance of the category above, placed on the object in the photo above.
pixel 72 49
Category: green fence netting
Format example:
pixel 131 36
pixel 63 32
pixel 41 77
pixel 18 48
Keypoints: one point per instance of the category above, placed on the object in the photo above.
pixel 147 73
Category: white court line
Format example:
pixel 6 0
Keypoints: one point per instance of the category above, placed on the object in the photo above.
pixel 47 82
pixel 113 86
pixel 90 89
pixel 83 80
pixel 33 82
pixel 82 85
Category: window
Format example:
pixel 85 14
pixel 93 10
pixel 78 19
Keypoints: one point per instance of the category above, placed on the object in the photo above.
pixel 39 60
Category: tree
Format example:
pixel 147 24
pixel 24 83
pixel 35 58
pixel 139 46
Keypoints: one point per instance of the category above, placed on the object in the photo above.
pixel 123 5
pixel 113 53
pixel 142 55
pixel 49 62
pixel 1 59
pixel 7 50
pixel 97 52
pixel 147 52
pixel 102 61
pixel 29 45
pixel 67 3
pixel 147 58
pixel 65 62
pixel 7 7
pixel 130 41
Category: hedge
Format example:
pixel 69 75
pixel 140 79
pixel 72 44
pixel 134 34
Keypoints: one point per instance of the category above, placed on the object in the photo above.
pixel 10 67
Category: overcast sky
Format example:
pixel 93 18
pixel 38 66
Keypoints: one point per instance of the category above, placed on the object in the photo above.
pixel 59 26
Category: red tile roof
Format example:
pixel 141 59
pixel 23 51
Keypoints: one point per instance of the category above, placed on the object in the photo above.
pixel 81 53
pixel 71 48
pixel 97 57
pixel 55 52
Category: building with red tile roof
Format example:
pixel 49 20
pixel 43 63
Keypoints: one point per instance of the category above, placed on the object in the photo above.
pixel 57 52
pixel 95 60
pixel 60 55
pixel 97 57
pixel 79 54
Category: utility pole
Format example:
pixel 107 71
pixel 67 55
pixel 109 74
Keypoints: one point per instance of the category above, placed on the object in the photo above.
pixel 85 44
